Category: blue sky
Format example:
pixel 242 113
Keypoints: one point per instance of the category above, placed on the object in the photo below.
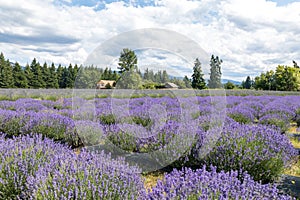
pixel 101 4
pixel 250 36
pixel 284 2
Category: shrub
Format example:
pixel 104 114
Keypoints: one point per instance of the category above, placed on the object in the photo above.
pixel 278 121
pixel 54 126
pixel 36 168
pixel 261 151
pixel 107 119
pixel 297 118
pixel 87 176
pixel 20 158
pixel 203 184
pixel 10 122
pixel 242 114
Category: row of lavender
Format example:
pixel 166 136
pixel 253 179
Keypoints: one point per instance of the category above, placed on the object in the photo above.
pixel 145 125
pixel 36 168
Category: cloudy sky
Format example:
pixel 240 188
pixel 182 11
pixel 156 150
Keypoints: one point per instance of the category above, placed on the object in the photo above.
pixel 250 36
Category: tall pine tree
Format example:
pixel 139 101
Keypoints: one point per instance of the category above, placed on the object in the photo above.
pixel 28 74
pixel 46 75
pixel 164 77
pixel 198 81
pixel 52 81
pixel 60 77
pixel 215 73
pixel 6 73
pixel 68 76
pixel 20 79
pixel 37 76
pixel 248 83
pixel 127 61
pixel 187 82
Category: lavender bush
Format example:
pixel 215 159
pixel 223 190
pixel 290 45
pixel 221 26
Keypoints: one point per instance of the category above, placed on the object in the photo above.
pixel 203 184
pixel 51 125
pixel 21 158
pixel 33 168
pixel 86 176
pixel 261 151
pixel 242 114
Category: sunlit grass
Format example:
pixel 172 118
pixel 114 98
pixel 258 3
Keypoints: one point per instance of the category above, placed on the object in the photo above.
pixel 150 179
pixel 293 128
pixel 295 142
pixel 294 169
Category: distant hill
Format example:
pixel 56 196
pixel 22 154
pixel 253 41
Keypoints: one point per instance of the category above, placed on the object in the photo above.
pixel 223 81
pixel 176 77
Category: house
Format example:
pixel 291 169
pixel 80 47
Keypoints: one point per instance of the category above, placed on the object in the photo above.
pixel 106 84
pixel 171 85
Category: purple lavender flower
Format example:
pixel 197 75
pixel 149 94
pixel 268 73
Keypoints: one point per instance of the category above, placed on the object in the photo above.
pixel 204 184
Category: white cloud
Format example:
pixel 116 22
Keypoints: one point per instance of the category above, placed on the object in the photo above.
pixel 250 35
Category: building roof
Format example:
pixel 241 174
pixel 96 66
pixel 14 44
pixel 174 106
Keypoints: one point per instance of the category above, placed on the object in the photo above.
pixel 106 81
pixel 103 83
pixel 171 85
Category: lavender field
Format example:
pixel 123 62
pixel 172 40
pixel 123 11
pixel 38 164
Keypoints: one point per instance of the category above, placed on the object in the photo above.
pixel 206 147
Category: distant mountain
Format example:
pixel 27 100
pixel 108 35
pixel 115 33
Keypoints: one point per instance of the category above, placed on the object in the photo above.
pixel 13 64
pixel 223 81
pixel 176 77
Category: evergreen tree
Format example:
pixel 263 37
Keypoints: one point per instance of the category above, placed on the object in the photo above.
pixel 110 74
pixel 146 74
pixel 60 77
pixel 67 77
pixel 82 79
pixel 2 70
pixel 127 61
pixel 52 81
pixel 37 76
pixel 165 77
pixel 45 75
pixel 94 76
pixel 105 75
pixel 28 75
pixel 158 77
pixel 75 71
pixel 198 81
pixel 215 73
pixel 247 83
pixel 295 64
pixel 151 75
pixel 187 82
pixel 6 73
pixel 139 72
pixel 20 80
pixel 115 76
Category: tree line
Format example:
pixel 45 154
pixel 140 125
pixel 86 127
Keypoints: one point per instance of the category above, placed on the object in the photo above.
pixel 284 78
pixel 131 76
pixel 36 75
